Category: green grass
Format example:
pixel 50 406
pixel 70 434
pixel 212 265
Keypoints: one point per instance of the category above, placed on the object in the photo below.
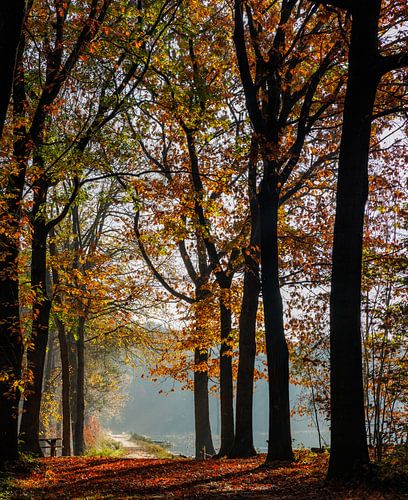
pixel 149 447
pixel 105 447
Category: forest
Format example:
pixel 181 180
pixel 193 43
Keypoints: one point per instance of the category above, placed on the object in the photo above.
pixel 213 193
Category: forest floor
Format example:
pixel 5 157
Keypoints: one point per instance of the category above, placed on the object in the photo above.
pixel 127 478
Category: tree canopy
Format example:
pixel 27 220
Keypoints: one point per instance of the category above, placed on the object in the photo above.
pixel 212 192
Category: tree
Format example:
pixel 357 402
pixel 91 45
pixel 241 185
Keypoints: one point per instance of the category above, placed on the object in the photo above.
pixel 200 280
pixel 64 354
pixel 282 92
pixel 243 440
pixel 128 70
pixel 11 347
pixel 189 91
pixel 57 72
pixel 92 299
pixel 349 453
pixel 384 303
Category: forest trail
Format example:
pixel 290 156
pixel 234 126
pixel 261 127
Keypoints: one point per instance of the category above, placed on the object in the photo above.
pixel 132 448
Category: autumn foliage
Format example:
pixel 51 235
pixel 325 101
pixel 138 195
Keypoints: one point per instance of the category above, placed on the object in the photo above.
pixel 209 192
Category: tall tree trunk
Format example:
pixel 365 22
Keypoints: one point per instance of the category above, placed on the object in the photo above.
pixel 11 22
pixel 349 453
pixel 226 377
pixel 30 420
pixel 49 362
pixel 64 355
pixel 48 371
pixel 244 441
pixel 73 379
pixel 11 348
pixel 11 342
pixel 203 437
pixel 224 282
pixel 11 345
pixel 66 405
pixel 79 444
pixel 280 442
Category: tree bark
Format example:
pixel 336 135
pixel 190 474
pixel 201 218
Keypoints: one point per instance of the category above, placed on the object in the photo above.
pixel 49 362
pixel 66 405
pixel 11 344
pixel 73 380
pixel 244 441
pixel 30 420
pixel 226 378
pixel 49 366
pixel 65 365
pixel 79 443
pixel 349 453
pixel 280 441
pixel 11 21
pixel 203 437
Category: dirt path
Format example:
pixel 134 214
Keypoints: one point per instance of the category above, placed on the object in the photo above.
pixel 132 448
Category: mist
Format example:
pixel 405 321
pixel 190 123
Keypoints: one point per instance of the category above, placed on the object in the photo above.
pixel 169 416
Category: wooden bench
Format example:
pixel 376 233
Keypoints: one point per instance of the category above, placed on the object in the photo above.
pixel 51 443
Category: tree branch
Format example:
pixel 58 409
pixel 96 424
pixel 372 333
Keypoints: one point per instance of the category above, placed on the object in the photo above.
pixel 187 261
pixel 153 269
pixel 341 4
pixel 54 222
pixel 392 62
pixel 244 69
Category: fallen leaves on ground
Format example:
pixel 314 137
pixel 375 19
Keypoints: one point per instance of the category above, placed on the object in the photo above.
pixel 121 478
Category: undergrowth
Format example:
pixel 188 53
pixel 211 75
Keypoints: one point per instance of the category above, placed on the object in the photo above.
pixel 393 470
pixel 104 446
